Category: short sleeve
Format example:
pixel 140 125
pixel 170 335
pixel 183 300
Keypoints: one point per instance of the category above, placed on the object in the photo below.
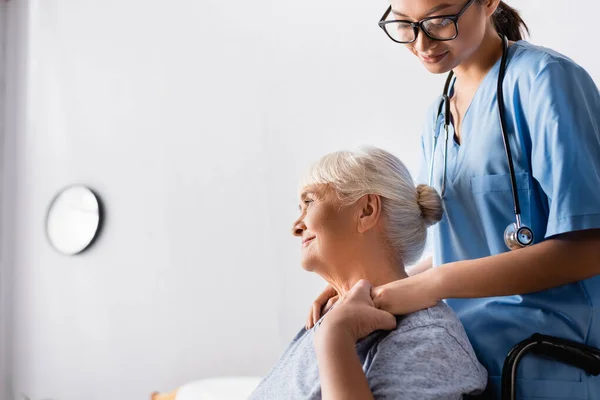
pixel 424 363
pixel 564 123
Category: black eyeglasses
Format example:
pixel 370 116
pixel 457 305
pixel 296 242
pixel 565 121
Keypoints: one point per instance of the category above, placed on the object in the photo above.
pixel 442 28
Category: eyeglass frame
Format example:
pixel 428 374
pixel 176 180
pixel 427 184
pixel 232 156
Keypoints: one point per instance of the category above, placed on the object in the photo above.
pixel 419 24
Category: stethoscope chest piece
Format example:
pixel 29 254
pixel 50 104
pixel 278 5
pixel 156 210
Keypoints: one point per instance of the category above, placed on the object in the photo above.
pixel 517 237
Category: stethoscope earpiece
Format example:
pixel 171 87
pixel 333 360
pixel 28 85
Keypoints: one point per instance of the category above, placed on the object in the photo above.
pixel 517 237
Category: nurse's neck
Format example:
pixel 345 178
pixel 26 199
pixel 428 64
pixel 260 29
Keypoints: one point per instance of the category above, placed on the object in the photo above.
pixel 472 70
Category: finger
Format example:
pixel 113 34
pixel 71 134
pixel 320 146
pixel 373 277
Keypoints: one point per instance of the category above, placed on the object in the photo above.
pixel 376 291
pixel 327 306
pixel 321 301
pixel 315 309
pixel 331 291
pixel 326 294
pixel 311 315
pixel 316 313
pixel 385 320
pixel 309 321
pixel 383 299
pixel 361 289
pixel 324 298
pixel 330 303
pixel 379 295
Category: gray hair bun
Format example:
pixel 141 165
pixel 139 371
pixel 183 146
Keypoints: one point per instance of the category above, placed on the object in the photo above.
pixel 430 203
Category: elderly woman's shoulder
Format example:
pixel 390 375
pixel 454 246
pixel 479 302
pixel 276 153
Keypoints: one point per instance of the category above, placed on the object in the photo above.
pixel 440 315
pixel 434 327
pixel 428 348
pixel 433 334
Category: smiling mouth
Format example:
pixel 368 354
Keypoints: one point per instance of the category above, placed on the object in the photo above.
pixel 434 59
pixel 305 242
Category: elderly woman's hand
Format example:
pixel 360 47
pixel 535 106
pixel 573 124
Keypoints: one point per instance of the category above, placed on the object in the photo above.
pixel 355 315
pixel 321 305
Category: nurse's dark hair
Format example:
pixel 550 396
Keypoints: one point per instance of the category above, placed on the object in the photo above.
pixel 508 22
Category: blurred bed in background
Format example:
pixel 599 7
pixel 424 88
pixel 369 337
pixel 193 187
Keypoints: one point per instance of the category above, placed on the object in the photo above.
pixel 224 388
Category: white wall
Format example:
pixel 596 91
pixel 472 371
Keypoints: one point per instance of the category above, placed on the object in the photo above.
pixel 193 120
pixel 4 298
pixel 14 45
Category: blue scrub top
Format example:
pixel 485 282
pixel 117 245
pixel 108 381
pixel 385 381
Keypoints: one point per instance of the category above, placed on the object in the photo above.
pixel 553 125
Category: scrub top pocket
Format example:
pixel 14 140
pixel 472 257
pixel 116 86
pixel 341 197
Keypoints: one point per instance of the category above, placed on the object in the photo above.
pixel 493 201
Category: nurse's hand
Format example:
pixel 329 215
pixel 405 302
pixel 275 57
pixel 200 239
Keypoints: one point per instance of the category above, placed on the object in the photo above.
pixel 321 305
pixel 407 295
pixel 355 316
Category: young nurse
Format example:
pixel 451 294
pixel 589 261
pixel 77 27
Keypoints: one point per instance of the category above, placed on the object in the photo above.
pixel 547 281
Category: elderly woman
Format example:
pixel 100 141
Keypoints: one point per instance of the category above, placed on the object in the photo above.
pixel 361 222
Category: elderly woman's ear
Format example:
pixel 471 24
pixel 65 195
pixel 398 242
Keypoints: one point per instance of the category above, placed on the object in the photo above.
pixel 369 208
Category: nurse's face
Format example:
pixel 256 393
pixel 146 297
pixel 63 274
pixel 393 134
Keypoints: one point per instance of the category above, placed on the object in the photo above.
pixel 328 230
pixel 442 56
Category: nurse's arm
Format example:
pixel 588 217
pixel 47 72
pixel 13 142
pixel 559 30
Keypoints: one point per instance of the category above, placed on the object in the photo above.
pixel 563 259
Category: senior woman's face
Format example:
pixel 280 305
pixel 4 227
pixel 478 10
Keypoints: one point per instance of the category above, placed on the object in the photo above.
pixel 327 229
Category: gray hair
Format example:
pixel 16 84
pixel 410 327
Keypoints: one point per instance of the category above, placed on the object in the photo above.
pixel 407 210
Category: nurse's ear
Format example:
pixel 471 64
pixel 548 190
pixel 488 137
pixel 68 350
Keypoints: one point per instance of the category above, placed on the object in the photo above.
pixel 489 6
pixel 369 212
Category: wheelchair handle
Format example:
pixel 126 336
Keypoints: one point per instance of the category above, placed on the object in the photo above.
pixel 563 350
pixel 576 354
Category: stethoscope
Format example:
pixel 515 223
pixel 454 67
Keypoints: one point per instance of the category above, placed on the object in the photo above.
pixel 516 235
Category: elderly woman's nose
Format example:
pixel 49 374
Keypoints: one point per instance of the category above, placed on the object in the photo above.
pixel 298 227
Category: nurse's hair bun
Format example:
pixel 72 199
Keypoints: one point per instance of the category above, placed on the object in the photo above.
pixel 430 204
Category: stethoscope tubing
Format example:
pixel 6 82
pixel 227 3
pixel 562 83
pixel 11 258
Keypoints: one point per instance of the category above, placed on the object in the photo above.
pixel 444 107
